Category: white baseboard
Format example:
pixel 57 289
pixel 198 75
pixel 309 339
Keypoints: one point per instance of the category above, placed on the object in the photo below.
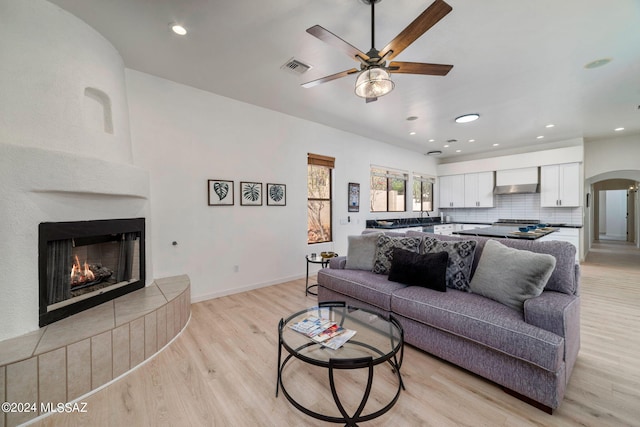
pixel 231 291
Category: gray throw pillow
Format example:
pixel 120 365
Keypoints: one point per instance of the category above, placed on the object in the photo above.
pixel 385 247
pixel 362 251
pixel 461 253
pixel 511 276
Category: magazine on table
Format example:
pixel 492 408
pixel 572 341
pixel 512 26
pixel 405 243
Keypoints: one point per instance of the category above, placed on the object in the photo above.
pixel 323 331
pixel 337 341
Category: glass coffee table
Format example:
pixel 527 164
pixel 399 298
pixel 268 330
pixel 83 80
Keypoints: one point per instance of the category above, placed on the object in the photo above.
pixel 378 341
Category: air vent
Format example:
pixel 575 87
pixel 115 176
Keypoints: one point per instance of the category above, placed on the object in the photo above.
pixel 296 67
pixel 434 153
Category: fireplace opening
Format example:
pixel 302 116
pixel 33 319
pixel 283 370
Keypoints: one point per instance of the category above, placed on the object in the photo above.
pixel 85 263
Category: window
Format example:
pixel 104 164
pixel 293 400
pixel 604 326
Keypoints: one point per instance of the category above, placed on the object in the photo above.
pixel 319 198
pixel 422 193
pixel 388 190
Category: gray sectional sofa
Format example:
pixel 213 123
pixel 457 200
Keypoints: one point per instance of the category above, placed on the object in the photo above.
pixel 529 352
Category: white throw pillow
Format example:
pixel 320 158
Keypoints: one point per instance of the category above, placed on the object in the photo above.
pixel 362 251
pixel 511 276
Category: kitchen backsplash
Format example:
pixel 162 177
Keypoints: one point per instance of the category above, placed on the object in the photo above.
pixel 517 206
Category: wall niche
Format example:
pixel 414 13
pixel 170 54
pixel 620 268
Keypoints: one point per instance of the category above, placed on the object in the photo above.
pixel 97 110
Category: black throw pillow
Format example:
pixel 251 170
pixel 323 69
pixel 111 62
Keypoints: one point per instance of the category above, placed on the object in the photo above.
pixel 427 270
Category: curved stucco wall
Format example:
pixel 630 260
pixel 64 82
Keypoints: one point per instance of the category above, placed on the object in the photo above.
pixel 48 59
pixel 65 145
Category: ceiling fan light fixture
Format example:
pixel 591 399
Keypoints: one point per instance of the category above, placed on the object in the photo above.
pixel 373 83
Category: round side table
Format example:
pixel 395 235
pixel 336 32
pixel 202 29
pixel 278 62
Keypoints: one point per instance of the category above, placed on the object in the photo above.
pixel 314 259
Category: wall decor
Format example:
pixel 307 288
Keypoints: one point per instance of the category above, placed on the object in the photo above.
pixel 354 197
pixel 220 192
pixel 250 193
pixel 276 194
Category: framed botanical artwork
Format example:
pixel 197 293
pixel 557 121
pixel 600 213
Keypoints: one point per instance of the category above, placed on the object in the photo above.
pixel 220 192
pixel 250 193
pixel 354 197
pixel 276 195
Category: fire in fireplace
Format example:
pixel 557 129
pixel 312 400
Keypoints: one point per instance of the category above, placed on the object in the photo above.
pixel 85 263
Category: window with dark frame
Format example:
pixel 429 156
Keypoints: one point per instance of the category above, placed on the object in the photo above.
pixel 319 198
pixel 423 193
pixel 388 190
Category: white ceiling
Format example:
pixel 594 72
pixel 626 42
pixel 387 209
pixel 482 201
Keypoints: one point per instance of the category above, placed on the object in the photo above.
pixel 519 64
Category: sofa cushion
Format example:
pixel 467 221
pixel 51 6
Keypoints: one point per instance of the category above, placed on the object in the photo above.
pixel 385 247
pixel 511 276
pixel 428 270
pixel 481 320
pixel 461 254
pixel 374 289
pixel 564 277
pixel 362 251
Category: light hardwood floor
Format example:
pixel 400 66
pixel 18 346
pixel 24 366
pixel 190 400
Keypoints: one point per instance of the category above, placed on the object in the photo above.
pixel 221 371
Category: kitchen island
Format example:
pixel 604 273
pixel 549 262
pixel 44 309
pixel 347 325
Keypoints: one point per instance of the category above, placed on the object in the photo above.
pixel 507 232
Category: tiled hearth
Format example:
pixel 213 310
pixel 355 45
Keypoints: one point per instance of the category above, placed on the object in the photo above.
pixel 67 359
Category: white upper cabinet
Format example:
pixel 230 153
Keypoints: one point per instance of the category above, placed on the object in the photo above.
pixel 560 185
pixel 478 190
pixel 451 191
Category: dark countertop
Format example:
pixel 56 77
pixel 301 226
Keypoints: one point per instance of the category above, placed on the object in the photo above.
pixel 505 232
pixel 390 224
pixel 395 223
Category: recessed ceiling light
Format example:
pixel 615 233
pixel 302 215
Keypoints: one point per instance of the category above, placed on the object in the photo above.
pixel 550 125
pixel 178 29
pixel 446 146
pixel 618 129
pixel 432 140
pixel 467 118
pixel 540 137
pixel 597 63
pixel 412 133
pixel 472 140
pixel 495 145
pixel 458 151
pixel 412 118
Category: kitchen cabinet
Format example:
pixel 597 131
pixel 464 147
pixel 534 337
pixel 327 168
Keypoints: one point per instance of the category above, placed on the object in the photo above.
pixel 446 229
pixel 451 191
pixel 560 185
pixel 571 235
pixel 478 190
pixel 473 226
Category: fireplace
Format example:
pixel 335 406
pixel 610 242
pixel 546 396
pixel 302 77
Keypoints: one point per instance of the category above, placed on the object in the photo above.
pixel 85 263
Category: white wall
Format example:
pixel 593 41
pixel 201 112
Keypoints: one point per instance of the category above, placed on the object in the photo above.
pixel 48 58
pixel 184 136
pixel 611 158
pixel 56 162
pixel 611 155
pixel 616 214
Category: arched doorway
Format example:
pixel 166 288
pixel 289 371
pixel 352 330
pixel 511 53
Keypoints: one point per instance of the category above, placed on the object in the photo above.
pixel 596 188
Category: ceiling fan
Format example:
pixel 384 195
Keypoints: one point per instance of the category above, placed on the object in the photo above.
pixel 374 79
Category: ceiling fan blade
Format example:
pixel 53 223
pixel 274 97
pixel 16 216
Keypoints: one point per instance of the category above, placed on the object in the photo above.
pixel 335 41
pixel 329 78
pixel 419 68
pixel 427 19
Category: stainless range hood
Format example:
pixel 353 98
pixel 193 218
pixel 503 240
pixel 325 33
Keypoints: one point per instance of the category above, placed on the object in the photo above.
pixel 517 181
pixel 516 189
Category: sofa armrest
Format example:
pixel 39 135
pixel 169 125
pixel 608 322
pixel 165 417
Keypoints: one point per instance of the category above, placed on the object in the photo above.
pixel 551 311
pixel 558 313
pixel 338 263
